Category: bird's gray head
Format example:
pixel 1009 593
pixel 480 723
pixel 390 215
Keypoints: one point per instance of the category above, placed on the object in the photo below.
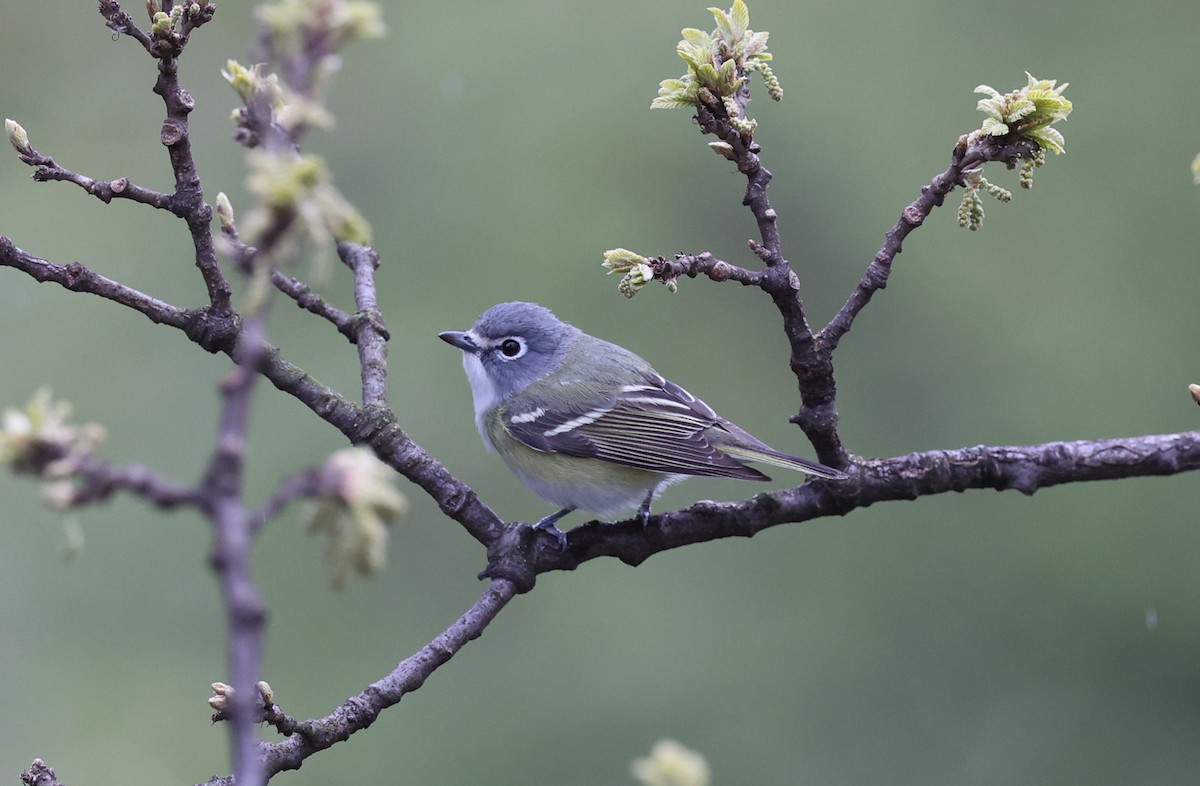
pixel 510 346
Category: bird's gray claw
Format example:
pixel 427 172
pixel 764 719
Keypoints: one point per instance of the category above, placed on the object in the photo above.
pixel 549 528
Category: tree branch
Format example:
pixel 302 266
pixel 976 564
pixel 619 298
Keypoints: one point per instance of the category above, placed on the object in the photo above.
pixel 313 303
pixel 516 553
pixel 245 610
pixel 377 427
pixel 47 170
pixel 966 156
pixel 245 255
pixel 359 712
pixel 907 477
pixel 1025 468
pixel 121 23
pixel 705 264
pixel 189 195
pixel 305 483
pixel 77 278
pixel 98 480
pixel 371 333
pixel 187 201
pixel 810 362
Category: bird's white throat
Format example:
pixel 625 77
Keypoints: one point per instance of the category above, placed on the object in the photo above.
pixel 484 393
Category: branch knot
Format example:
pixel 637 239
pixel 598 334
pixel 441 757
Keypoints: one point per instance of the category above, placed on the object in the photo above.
pixel 214 331
pixel 508 558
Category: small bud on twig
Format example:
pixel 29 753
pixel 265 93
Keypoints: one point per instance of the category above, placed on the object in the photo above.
pixel 225 211
pixel 723 149
pixel 161 25
pixel 17 137
pixel 219 701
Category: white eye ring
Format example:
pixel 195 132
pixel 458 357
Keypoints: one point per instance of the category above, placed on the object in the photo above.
pixel 510 347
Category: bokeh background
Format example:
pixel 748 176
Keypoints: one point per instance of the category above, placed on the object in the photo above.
pixel 498 149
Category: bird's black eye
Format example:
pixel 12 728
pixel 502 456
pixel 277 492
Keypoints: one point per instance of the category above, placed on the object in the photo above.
pixel 512 348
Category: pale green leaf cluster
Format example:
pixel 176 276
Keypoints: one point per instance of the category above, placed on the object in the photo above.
pixel 300 187
pixel 163 24
pixel 636 268
pixel 283 180
pixel 621 260
pixel 253 85
pixel 291 110
pixel 293 25
pixel 718 62
pixel 292 190
pixel 44 428
pixel 1028 112
pixel 334 22
pixel 671 764
pixel 356 512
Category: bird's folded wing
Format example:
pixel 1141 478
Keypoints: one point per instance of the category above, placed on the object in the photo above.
pixel 653 425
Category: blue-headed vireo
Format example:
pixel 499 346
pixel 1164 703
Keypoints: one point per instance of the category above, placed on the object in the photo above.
pixel 588 424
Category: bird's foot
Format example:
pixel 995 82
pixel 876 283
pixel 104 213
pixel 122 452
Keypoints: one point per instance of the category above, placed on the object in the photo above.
pixel 558 534
pixel 547 525
pixel 643 512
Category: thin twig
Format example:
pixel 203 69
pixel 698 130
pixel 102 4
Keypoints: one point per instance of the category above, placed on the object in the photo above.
pixel 359 712
pixel 966 156
pixel 705 264
pixel 245 610
pixel 313 303
pixel 78 278
pixel 378 428
pixel 372 333
pixel 47 169
pixel 120 22
pixel 305 483
pixel 96 481
pixel 810 362
pixel 187 200
pixel 244 256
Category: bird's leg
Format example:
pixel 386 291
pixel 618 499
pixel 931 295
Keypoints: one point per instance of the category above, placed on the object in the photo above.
pixel 547 525
pixel 644 509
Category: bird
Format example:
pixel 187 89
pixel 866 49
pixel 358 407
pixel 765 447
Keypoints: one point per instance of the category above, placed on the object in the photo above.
pixel 587 424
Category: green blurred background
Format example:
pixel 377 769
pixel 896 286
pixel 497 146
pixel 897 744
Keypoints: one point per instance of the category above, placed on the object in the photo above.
pixel 498 148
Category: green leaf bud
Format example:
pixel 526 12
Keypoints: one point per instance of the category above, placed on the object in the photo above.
pixel 225 211
pixel 723 149
pixel 17 137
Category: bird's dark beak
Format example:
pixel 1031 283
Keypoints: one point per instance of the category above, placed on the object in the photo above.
pixel 461 340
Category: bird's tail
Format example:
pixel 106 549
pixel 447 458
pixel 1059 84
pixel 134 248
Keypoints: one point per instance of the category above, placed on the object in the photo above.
pixel 767 455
